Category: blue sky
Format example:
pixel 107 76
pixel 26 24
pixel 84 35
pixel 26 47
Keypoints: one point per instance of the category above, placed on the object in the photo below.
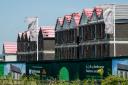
pixel 13 13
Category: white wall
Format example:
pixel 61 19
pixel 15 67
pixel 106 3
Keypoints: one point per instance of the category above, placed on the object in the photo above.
pixel 10 57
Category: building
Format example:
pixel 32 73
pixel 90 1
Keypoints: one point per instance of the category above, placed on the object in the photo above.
pixel 62 38
pixel 97 39
pixel 67 37
pixel 48 42
pixel 92 33
pixel 101 32
pixel 10 51
pixel 15 71
pixel 27 44
pixel 122 70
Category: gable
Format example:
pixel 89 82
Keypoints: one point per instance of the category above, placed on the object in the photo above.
pixel 99 13
pixel 94 16
pixel 86 16
pixel 59 23
pixel 73 23
pixel 58 26
pixel 83 19
pixel 65 24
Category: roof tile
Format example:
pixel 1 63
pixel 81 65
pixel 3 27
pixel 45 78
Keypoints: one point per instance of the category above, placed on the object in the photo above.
pixel 10 47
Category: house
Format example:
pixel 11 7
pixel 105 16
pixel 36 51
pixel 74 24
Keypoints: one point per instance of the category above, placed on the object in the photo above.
pixel 48 42
pixel 102 32
pixel 122 70
pixel 67 37
pixel 27 44
pixel 10 51
pixel 16 72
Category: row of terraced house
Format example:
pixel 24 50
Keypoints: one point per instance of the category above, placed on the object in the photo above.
pixel 85 35
pixel 27 44
pixel 78 36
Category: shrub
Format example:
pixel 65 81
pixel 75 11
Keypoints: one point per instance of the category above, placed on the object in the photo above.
pixel 113 80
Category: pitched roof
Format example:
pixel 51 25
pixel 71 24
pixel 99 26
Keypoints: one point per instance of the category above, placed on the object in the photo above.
pixel 88 12
pixel 67 17
pixel 98 10
pixel 59 23
pixel 76 17
pixel 122 67
pixel 48 31
pixel 10 47
pixel 60 20
pixel 104 7
pixel 15 69
pixel 20 34
pixel 24 35
pixel 27 33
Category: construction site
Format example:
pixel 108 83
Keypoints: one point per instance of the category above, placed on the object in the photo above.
pixel 87 35
pixel 91 44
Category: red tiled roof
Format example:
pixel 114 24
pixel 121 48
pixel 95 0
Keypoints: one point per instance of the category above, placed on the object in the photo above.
pixel 67 17
pixel 76 17
pixel 88 12
pixel 10 47
pixel 59 22
pixel 48 31
pixel 98 11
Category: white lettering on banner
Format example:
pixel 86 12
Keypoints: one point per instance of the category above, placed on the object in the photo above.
pixel 93 68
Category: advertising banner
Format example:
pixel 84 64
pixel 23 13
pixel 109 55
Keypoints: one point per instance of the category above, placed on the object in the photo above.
pixel 120 67
pixel 16 70
pixel 95 69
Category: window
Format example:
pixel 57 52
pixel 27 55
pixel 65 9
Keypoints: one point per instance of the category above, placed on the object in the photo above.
pixel 80 34
pixel 59 52
pixel 92 31
pixel 84 48
pixel 69 36
pixel 98 51
pixel 92 51
pixel 98 31
pixel 88 32
pixel 121 73
pixel 102 30
pixel 88 51
pixel 72 53
pixel 105 50
pixel 80 51
pixel 125 74
pixel 85 33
